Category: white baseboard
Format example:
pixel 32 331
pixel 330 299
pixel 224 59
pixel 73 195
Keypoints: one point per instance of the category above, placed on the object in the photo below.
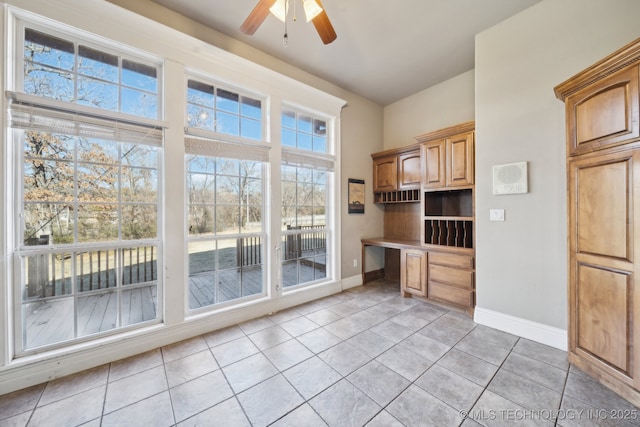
pixel 534 331
pixel 352 282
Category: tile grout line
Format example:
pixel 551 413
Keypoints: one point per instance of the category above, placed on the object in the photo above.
pixel 564 388
pixel 166 378
pixel 334 302
pixel 430 366
pixel 486 388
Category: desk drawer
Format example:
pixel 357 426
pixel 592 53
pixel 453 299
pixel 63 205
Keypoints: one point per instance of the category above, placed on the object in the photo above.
pixel 451 276
pixel 453 260
pixel 457 296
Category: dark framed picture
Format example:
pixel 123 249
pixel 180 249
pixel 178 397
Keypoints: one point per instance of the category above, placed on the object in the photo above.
pixel 356 196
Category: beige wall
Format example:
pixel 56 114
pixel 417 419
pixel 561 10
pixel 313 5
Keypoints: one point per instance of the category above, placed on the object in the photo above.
pixel 361 136
pixel 521 263
pixel 437 107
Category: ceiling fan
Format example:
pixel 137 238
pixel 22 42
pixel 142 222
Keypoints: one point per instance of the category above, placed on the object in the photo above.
pixel 312 8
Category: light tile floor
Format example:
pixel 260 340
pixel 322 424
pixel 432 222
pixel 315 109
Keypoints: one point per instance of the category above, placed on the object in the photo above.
pixel 362 357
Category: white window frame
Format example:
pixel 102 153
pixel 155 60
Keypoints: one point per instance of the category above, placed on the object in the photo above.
pixel 322 161
pixel 213 149
pixel 220 136
pixel 66 111
pixel 78 36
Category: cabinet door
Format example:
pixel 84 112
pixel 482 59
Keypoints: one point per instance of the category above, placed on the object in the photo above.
pixel 460 160
pixel 604 291
pixel 385 174
pixel 433 173
pixel 409 170
pixel 604 114
pixel 413 272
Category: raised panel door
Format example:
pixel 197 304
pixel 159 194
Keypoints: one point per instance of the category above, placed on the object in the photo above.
pixel 413 272
pixel 434 155
pixel 604 315
pixel 385 174
pixel 460 160
pixel 603 285
pixel 603 208
pixel 604 114
pixel 409 173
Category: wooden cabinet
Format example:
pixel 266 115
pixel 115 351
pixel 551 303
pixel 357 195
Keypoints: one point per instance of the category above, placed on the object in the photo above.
pixel 447 221
pixel 434 164
pixel 385 174
pixel 448 160
pixel 603 282
pixel 413 272
pixel 409 167
pixel 603 163
pixel 588 128
pixel 459 168
pixel 435 237
pixel 397 175
pixel 451 279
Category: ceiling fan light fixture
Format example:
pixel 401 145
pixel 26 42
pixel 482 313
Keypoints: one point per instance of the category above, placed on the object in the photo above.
pixel 279 9
pixel 311 9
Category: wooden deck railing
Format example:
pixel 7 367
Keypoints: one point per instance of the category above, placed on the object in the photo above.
pixel 297 244
pixel 50 275
pixel 249 249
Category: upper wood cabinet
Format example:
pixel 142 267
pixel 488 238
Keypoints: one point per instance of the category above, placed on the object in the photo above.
pixel 604 114
pixel 434 164
pixel 459 168
pixel 396 175
pixel 603 164
pixel 409 167
pixel 448 157
pixel 385 173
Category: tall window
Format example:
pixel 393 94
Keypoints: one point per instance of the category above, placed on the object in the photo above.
pixel 307 179
pixel 225 166
pixel 88 220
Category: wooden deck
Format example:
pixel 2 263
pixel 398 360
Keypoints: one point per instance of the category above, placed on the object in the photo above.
pixel 52 320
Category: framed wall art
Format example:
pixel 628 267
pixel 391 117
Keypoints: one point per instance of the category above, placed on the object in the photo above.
pixel 356 196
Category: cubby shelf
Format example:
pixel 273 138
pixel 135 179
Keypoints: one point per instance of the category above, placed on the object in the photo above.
pixel 401 196
pixel 448 218
pixel 451 232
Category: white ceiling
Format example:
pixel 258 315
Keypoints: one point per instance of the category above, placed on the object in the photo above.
pixel 385 50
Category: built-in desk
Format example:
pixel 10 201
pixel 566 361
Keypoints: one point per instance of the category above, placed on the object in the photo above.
pixel 385 242
pixel 437 273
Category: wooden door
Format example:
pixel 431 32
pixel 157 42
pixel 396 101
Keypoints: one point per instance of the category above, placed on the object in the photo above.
pixel 604 114
pixel 409 174
pixel 433 153
pixel 604 290
pixel 413 272
pixel 385 174
pixel 460 160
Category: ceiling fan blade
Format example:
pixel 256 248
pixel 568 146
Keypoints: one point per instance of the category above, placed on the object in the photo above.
pixel 323 26
pixel 256 17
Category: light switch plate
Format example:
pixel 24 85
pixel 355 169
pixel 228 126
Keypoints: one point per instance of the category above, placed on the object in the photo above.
pixel 496 214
